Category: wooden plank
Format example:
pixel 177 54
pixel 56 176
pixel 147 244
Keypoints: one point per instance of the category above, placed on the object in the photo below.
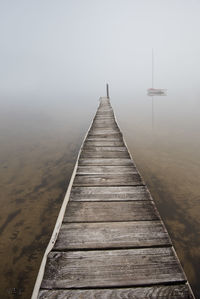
pixel 75 269
pixel 111 127
pixel 105 112
pixel 105 161
pixel 100 211
pixel 97 138
pixel 130 193
pixel 103 143
pixel 110 135
pixel 106 126
pixel 104 121
pixel 107 120
pixel 114 139
pixel 108 179
pixel 106 169
pixel 100 108
pixel 180 291
pixel 99 119
pixel 104 154
pixel 105 148
pixel 105 108
pixel 103 131
pixel 103 115
pixel 110 123
pixel 111 235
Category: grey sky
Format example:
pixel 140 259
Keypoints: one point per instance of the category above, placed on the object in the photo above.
pixel 72 47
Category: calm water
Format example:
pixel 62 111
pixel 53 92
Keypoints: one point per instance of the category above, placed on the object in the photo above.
pixel 39 144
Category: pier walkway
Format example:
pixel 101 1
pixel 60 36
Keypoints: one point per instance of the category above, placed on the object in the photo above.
pixel 112 242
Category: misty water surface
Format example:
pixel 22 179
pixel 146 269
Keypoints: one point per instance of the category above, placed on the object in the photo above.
pixel 55 58
pixel 39 143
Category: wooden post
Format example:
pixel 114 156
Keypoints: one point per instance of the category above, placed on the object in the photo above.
pixel 107 90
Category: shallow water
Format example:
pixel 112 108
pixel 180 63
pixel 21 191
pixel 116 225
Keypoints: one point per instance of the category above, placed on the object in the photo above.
pixel 39 145
pixel 168 157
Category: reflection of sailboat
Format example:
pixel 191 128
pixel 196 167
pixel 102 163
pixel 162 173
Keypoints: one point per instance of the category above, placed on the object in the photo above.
pixel 154 91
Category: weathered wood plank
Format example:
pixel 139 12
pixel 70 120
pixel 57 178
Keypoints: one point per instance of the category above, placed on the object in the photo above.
pixel 104 121
pixel 108 124
pixel 101 116
pixel 110 121
pixel 106 139
pixel 106 169
pixel 105 148
pixel 111 235
pixel 75 269
pixel 104 154
pixel 106 127
pixel 103 132
pixel 100 120
pixel 107 179
pixel 105 107
pixel 104 112
pixel 100 135
pixel 105 161
pixel 180 291
pixel 112 125
pixel 100 211
pixel 110 193
pixel 109 143
pixel 112 139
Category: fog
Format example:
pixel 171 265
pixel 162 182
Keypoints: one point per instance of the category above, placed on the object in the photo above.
pixel 53 53
pixel 71 48
pixel 55 60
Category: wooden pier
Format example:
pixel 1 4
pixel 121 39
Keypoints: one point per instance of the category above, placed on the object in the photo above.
pixel 111 241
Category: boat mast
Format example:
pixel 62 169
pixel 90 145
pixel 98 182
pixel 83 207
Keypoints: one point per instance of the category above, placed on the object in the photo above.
pixel 152 69
pixel 152 101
